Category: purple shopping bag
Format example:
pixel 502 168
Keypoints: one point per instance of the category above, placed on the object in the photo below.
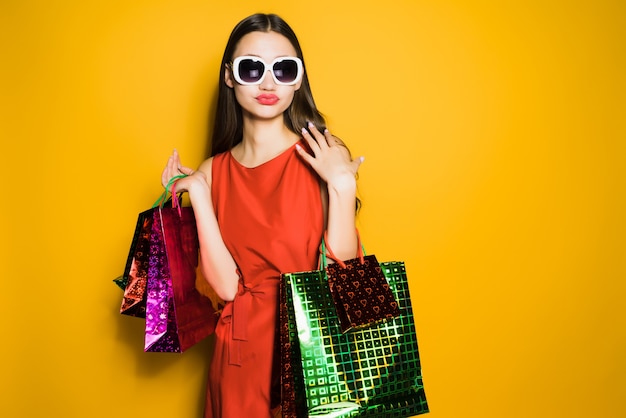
pixel 177 315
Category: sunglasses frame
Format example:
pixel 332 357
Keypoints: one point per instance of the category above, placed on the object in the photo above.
pixel 234 66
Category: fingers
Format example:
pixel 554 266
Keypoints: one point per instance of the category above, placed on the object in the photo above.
pixel 174 168
pixel 315 139
pixel 186 170
pixel 170 167
pixel 174 161
pixel 356 163
pixel 305 155
pixel 328 155
pixel 330 140
pixel 309 139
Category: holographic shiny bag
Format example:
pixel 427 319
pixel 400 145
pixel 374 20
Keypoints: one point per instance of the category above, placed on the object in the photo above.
pixel 177 315
pixel 135 277
pixel 366 372
pixel 160 278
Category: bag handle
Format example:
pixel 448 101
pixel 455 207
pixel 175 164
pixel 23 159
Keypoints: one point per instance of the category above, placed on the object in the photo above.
pixel 171 185
pixel 327 252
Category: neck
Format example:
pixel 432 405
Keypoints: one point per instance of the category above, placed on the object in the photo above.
pixel 262 141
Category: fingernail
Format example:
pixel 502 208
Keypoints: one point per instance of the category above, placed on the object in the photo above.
pixel 303 130
pixel 310 124
pixel 298 147
pixel 362 159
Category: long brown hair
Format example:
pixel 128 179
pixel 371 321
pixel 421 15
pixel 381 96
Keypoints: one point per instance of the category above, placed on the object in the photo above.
pixel 228 126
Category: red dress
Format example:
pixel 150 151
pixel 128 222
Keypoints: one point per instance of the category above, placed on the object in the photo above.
pixel 271 220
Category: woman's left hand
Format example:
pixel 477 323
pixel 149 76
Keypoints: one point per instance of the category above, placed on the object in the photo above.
pixel 331 160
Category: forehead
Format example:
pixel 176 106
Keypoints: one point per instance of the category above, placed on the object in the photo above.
pixel 267 45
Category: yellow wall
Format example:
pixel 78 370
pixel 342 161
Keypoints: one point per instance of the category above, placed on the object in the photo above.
pixel 494 140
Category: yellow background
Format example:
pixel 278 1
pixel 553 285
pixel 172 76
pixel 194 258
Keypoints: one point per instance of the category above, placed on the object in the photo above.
pixel 494 140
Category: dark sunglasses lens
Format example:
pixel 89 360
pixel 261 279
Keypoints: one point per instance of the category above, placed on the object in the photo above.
pixel 251 71
pixel 286 71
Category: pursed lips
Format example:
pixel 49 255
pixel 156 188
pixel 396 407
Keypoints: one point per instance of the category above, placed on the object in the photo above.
pixel 267 99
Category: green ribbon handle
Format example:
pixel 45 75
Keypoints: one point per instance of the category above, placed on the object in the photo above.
pixel 163 198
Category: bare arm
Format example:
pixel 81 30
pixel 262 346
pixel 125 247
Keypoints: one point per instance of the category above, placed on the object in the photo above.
pixel 216 262
pixel 332 162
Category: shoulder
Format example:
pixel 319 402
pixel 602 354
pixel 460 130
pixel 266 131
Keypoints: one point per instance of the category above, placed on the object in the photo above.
pixel 216 161
pixel 206 167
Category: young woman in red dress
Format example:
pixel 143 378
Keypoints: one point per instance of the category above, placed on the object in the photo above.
pixel 276 181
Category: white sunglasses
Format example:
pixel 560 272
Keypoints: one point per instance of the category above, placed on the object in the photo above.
pixel 250 70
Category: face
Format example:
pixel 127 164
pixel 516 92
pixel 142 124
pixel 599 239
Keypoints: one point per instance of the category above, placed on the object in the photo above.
pixel 267 99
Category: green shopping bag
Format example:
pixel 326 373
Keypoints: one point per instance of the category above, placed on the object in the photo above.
pixel 367 372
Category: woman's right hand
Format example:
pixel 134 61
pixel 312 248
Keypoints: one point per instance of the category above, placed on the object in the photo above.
pixel 174 168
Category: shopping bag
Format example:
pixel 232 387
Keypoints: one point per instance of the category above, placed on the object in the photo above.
pixel 367 372
pixel 160 280
pixel 177 315
pixel 134 280
pixel 135 277
pixel 292 397
pixel 359 289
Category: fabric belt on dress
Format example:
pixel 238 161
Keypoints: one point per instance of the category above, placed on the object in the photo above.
pixel 239 310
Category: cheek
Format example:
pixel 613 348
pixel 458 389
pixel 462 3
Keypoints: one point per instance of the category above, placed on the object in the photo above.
pixel 286 100
pixel 244 94
pixel 238 93
pixel 289 96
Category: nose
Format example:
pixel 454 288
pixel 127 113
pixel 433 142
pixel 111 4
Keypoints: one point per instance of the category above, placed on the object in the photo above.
pixel 268 81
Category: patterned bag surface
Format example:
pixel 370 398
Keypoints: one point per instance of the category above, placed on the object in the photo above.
pixel 373 371
pixel 361 292
pixel 160 279
pixel 160 314
pixel 177 315
pixel 135 277
pixel 292 394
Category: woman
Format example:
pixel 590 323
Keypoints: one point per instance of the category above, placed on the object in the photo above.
pixel 276 182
